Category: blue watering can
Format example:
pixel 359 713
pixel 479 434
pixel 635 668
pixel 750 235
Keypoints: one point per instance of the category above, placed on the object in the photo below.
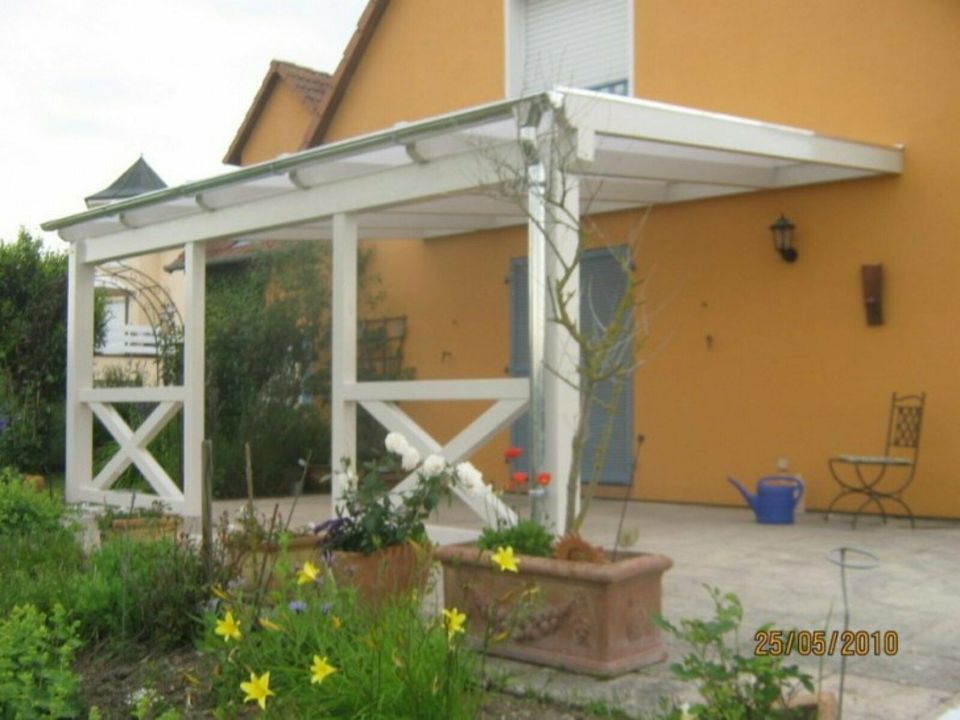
pixel 775 500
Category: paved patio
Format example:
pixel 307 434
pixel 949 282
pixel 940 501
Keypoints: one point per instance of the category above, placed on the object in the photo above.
pixel 783 577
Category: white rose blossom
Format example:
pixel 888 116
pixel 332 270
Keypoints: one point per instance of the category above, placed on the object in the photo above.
pixel 351 477
pixel 471 478
pixel 411 458
pixel 396 443
pixel 433 465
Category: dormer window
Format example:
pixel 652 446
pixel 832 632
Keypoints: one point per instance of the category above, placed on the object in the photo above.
pixel 574 43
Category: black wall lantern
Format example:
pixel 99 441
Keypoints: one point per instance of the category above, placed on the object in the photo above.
pixel 782 231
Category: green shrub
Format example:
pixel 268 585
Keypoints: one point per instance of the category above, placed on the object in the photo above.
pixel 384 663
pixel 23 509
pixel 39 568
pixel 140 591
pixel 33 344
pixel 526 538
pixel 732 685
pixel 36 653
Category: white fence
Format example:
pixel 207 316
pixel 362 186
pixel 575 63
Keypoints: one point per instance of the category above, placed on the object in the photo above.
pixel 129 340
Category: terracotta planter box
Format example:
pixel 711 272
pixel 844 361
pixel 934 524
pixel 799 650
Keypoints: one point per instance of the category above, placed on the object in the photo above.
pixel 149 529
pixel 589 618
pixel 393 571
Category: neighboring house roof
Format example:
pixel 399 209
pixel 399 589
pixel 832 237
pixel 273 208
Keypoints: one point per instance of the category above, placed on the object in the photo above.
pixel 137 179
pixel 320 94
pixel 311 86
pixel 348 64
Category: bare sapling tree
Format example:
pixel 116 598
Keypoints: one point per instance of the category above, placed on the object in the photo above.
pixel 606 344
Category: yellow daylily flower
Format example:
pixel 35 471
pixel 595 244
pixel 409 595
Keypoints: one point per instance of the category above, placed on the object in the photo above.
pixel 258 689
pixel 228 628
pixel 504 559
pixel 336 622
pixel 269 624
pixel 453 621
pixel 307 574
pixel 320 669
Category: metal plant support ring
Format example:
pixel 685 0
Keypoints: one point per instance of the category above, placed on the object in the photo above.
pixel 865 561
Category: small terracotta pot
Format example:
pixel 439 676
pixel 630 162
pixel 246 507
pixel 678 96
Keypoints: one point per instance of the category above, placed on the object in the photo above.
pixel 252 562
pixel 147 529
pixel 392 571
pixel 815 707
pixel 583 617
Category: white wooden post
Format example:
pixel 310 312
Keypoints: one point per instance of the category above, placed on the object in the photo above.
pixel 194 334
pixel 79 418
pixel 343 412
pixel 561 352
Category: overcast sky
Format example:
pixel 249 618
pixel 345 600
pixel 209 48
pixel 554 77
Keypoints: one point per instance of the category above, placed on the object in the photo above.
pixel 86 87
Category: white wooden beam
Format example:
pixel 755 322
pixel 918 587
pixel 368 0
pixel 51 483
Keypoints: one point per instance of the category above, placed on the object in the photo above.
pixel 394 186
pixel 133 448
pixel 79 420
pixel 503 412
pixel 343 410
pixel 394 419
pixel 168 393
pixel 561 353
pixel 695 128
pixel 487 389
pixel 194 342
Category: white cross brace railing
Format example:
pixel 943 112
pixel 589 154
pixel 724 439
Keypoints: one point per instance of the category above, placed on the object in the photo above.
pixel 510 398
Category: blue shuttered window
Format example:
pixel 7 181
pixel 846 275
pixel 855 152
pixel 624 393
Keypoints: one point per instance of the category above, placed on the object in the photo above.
pixel 602 284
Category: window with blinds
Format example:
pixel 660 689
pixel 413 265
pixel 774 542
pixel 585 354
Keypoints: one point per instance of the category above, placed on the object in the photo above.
pixel 576 43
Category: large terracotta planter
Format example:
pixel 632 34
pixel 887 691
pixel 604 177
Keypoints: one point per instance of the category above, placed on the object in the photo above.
pixel 587 617
pixel 392 571
pixel 145 529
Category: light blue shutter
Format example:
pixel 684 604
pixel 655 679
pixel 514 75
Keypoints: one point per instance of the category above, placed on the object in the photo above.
pixel 602 277
pixel 602 284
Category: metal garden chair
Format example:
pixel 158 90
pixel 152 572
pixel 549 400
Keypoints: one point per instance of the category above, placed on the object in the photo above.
pixel 869 476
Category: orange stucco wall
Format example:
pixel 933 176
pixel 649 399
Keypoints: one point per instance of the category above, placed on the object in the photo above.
pixel 427 57
pixel 750 359
pixel 280 129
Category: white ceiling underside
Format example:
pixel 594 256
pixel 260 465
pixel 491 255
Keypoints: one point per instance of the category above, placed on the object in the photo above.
pixel 443 176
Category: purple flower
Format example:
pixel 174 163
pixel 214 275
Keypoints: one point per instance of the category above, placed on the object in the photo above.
pixel 297 606
pixel 326 608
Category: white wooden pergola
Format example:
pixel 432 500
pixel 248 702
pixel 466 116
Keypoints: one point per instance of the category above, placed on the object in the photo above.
pixel 436 177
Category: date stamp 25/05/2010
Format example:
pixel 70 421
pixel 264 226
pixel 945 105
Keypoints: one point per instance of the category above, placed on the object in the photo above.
pixel 856 643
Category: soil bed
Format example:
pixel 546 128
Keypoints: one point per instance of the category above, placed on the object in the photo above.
pixel 180 678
